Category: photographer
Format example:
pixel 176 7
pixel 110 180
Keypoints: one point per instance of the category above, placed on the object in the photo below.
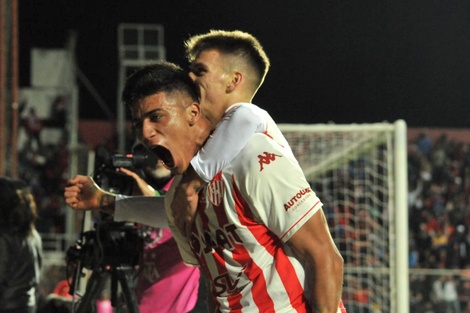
pixel 163 280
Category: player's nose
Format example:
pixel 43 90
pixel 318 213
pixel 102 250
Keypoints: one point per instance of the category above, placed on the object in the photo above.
pixel 148 131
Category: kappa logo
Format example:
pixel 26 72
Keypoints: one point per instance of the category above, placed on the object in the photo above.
pixel 266 159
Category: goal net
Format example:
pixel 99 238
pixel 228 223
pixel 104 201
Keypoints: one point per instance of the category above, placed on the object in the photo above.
pixel 359 171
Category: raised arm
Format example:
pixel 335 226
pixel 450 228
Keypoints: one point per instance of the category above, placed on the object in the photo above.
pixel 239 123
pixel 82 193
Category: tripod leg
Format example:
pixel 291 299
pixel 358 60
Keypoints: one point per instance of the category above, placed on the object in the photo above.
pixel 124 275
pixel 94 286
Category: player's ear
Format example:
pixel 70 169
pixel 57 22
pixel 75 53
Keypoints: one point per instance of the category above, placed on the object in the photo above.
pixel 193 112
pixel 237 79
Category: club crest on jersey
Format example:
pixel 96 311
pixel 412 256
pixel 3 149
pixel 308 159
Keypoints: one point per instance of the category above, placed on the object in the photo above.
pixel 216 189
pixel 298 199
pixel 266 159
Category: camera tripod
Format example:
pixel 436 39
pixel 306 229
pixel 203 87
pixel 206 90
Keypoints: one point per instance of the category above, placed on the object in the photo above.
pixel 119 274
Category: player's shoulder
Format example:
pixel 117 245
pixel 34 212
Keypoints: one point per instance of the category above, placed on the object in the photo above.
pixel 257 148
pixel 245 108
pixel 261 141
pixel 247 115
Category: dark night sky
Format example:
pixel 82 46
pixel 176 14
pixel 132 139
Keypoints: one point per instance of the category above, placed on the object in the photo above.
pixel 342 61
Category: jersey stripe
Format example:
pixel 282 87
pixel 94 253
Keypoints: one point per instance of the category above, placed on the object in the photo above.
pixel 241 256
pixel 260 290
pixel 274 246
pixel 291 283
pixel 218 256
pixel 202 259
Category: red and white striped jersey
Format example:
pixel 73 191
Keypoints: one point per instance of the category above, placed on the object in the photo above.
pixel 247 213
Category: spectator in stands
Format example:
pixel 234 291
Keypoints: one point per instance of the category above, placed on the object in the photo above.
pixel 458 250
pixel 445 289
pixel 439 209
pixel 420 295
pixel 424 144
pixel 20 248
pixel 441 203
pixel 58 111
pixel 33 127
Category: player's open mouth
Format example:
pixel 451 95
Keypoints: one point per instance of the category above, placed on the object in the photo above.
pixel 164 155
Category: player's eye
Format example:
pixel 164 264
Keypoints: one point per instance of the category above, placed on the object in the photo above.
pixel 197 70
pixel 155 117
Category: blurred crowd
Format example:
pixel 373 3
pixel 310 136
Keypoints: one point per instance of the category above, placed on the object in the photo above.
pixel 439 211
pixel 439 215
pixel 45 169
pixel 439 206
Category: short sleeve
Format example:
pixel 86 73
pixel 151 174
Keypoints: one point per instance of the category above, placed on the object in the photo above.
pixel 283 199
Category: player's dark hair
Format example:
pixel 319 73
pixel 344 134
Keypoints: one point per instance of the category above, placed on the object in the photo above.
pixel 160 76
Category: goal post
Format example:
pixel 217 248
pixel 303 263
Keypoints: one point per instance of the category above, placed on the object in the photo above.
pixel 359 171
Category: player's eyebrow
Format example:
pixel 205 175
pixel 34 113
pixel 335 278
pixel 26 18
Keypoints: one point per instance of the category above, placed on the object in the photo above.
pixel 145 115
pixel 196 66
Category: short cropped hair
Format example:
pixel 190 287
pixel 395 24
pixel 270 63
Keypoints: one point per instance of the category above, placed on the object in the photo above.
pixel 160 76
pixel 237 43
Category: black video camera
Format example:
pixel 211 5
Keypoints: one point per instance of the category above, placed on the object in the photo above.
pixel 129 160
pixel 107 176
pixel 110 244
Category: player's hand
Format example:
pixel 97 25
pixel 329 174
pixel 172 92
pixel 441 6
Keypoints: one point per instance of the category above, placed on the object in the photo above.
pixel 82 193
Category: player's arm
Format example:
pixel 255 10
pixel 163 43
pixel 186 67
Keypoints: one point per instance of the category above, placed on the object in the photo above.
pixel 295 216
pixel 178 234
pixel 82 193
pixel 227 140
pixel 185 199
pixel 323 263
